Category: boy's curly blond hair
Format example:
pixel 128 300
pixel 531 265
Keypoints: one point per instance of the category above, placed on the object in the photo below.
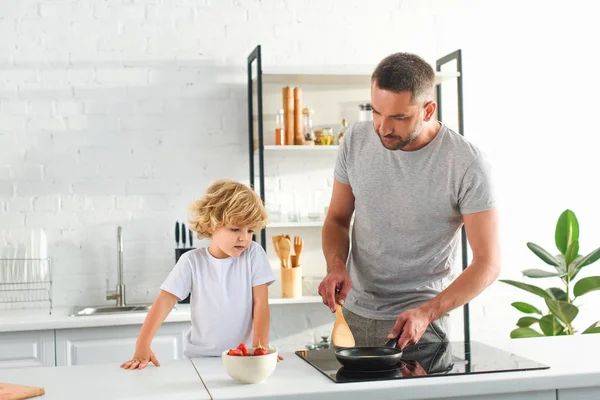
pixel 226 202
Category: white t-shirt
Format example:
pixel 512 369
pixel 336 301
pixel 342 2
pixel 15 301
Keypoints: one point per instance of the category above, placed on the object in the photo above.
pixel 221 297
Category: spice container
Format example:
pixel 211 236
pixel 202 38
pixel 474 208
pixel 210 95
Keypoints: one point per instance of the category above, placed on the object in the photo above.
pixel 365 112
pixel 307 126
pixel 298 136
pixel 288 115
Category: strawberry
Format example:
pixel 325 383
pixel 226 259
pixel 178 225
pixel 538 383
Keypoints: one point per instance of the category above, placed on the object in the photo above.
pixel 260 350
pixel 243 348
pixel 235 352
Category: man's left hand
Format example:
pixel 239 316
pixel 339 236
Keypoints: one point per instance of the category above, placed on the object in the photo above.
pixel 412 324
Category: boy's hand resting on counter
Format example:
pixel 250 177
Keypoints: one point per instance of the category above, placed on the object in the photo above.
pixel 140 359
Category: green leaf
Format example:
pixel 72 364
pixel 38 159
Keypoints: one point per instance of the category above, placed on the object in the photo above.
pixel 543 254
pixel 550 325
pixel 564 311
pixel 572 252
pixel 562 267
pixel 557 293
pixel 530 288
pixel 524 322
pixel 526 308
pixel 586 285
pixel 567 231
pixel 539 273
pixel 524 333
pixel 588 259
pixel 593 328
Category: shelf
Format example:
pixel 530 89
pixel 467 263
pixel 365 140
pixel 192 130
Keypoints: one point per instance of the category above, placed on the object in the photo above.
pixel 310 149
pixel 301 224
pixel 299 300
pixel 334 75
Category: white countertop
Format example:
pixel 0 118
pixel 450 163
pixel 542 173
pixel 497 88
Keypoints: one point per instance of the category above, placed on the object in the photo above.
pixel 572 361
pixel 12 321
pixel 172 380
pixel 33 320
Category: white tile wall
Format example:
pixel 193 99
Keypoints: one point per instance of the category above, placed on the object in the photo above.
pixel 121 112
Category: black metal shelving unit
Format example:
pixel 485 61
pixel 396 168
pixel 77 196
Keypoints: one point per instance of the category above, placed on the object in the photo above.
pixel 254 59
pixel 255 56
pixel 456 57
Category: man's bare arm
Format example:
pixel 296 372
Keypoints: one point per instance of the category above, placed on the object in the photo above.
pixel 483 237
pixel 336 229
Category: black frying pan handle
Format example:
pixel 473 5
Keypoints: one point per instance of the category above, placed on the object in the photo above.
pixel 394 341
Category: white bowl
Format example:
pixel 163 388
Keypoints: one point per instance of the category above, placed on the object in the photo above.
pixel 250 369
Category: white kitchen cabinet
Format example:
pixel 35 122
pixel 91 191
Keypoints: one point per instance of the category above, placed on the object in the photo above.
pixel 27 349
pixel 589 393
pixel 536 395
pixel 116 344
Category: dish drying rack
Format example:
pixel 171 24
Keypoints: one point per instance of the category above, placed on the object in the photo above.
pixel 25 283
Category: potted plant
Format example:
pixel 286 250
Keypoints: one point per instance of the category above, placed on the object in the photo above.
pixel 563 304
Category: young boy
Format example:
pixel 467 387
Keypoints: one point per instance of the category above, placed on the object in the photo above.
pixel 228 280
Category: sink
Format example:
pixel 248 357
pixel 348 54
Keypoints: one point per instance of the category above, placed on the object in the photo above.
pixel 99 310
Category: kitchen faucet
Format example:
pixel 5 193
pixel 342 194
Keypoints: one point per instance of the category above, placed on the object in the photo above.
pixel 119 293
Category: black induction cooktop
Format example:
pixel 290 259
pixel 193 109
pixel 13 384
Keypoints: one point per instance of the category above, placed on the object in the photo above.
pixel 426 360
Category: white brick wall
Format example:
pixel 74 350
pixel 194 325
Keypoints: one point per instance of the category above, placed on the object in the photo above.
pixel 121 112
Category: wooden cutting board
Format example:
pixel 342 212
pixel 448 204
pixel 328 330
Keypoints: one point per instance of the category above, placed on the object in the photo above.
pixel 9 391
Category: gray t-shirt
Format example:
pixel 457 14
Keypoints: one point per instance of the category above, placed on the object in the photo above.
pixel 408 216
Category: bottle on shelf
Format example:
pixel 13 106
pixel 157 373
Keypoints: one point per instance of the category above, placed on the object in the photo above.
pixel 340 134
pixel 279 131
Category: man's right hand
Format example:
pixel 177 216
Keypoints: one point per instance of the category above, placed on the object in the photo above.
pixel 140 359
pixel 335 287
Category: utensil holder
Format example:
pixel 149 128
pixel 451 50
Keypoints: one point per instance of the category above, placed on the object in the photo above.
pixel 291 282
pixel 178 253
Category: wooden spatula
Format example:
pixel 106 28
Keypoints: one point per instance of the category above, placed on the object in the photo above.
pixel 285 250
pixel 298 244
pixel 341 335
pixel 276 240
pixel 10 391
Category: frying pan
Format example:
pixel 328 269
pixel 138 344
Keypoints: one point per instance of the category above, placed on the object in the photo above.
pixel 370 358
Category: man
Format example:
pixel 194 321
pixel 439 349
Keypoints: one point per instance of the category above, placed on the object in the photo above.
pixel 411 183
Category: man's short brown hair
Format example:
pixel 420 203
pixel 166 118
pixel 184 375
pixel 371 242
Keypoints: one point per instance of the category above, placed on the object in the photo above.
pixel 405 72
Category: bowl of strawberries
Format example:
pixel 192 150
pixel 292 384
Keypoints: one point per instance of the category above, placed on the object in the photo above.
pixel 249 364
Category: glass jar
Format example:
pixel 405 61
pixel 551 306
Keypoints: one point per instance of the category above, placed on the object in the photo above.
pixel 327 137
pixel 365 112
pixel 318 134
